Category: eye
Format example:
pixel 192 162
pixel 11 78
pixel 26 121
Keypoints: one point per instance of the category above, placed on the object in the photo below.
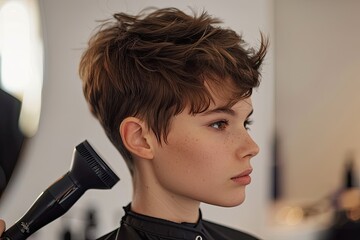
pixel 220 125
pixel 247 123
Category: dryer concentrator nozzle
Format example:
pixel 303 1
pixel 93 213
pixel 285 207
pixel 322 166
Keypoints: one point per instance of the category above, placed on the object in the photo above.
pixel 87 171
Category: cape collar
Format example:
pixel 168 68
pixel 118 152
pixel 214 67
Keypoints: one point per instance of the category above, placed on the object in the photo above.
pixel 165 228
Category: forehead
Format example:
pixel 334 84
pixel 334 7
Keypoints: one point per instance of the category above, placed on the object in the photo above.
pixel 213 91
pixel 225 93
pixel 244 104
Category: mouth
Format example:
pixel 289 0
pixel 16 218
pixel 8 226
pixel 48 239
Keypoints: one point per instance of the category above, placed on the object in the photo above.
pixel 243 178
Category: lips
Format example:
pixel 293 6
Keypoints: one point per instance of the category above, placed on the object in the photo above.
pixel 243 178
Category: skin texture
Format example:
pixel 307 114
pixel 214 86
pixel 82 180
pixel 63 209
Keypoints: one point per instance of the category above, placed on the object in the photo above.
pixel 203 154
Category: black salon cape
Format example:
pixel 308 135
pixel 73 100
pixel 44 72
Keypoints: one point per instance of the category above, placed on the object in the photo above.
pixel 139 227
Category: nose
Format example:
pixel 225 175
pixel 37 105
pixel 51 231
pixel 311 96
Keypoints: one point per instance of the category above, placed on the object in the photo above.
pixel 247 147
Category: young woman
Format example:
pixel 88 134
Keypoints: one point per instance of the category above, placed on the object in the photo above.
pixel 173 94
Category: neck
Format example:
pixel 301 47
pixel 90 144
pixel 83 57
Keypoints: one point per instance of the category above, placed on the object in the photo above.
pixel 151 199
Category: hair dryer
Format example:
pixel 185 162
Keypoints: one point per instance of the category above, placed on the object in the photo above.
pixel 87 171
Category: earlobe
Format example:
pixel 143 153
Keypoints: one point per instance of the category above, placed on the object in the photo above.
pixel 135 137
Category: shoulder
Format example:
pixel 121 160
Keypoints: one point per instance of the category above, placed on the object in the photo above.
pixel 109 236
pixel 222 232
pixel 122 233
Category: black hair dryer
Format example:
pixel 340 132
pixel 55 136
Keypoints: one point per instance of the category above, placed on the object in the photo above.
pixel 87 171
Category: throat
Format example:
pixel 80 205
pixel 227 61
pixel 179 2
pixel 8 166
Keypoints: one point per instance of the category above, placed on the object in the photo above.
pixel 168 207
pixel 152 199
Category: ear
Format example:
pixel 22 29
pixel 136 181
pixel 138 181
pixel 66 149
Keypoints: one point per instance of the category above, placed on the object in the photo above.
pixel 136 137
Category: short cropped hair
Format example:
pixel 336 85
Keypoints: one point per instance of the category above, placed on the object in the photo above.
pixel 155 64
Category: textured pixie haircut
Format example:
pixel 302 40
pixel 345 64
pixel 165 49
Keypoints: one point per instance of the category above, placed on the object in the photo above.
pixel 153 65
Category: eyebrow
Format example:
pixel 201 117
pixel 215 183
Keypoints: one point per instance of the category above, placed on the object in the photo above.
pixel 225 110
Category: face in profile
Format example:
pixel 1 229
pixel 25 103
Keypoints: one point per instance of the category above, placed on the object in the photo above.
pixel 207 155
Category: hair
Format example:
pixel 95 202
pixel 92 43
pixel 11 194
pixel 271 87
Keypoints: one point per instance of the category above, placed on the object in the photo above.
pixel 152 66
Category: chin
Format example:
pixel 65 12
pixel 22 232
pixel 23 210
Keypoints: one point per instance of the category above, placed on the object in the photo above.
pixel 234 204
pixel 228 202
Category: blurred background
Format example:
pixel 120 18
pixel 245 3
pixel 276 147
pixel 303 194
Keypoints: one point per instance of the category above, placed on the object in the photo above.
pixel 305 183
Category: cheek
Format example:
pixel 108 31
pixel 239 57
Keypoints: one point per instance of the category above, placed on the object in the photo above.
pixel 191 159
pixel 188 155
pixel 198 168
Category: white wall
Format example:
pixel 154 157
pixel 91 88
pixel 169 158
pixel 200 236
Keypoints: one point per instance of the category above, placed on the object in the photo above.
pixel 66 121
pixel 317 93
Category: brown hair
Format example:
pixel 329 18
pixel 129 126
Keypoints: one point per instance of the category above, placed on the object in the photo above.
pixel 153 66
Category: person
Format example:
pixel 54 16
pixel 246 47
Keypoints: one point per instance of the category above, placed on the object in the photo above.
pixel 173 94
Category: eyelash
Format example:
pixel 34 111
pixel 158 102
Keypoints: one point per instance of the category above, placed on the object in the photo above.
pixel 224 123
pixel 247 123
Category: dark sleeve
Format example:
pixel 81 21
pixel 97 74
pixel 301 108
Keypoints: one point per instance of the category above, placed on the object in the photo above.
pixel 225 233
